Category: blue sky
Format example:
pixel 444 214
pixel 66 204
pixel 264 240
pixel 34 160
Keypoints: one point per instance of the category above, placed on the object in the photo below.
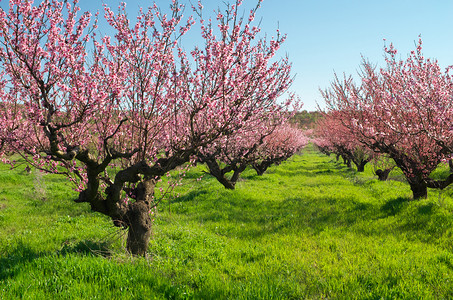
pixel 327 36
pixel 332 35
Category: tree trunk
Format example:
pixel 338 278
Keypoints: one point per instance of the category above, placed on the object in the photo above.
pixel 347 161
pixel 419 190
pixel 134 216
pixel 361 165
pixel 228 184
pixel 237 172
pixel 450 164
pixel 139 220
pixel 383 175
pixel 139 233
pixel 219 174
pixel 261 167
pixel 214 170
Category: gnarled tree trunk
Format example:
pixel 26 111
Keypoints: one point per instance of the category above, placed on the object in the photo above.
pixel 383 174
pixel 133 216
pixel 261 167
pixel 415 178
pixel 361 165
pixel 419 190
pixel 138 220
pixel 346 161
pixel 220 173
pixel 139 228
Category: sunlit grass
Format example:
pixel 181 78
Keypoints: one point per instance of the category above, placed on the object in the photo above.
pixel 309 228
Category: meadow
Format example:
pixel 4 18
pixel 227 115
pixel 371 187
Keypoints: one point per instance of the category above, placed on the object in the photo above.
pixel 309 228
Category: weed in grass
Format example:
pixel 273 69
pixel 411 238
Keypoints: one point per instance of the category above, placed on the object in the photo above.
pixel 39 186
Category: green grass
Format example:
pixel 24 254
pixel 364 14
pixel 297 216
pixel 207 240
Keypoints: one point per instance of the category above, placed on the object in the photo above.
pixel 308 229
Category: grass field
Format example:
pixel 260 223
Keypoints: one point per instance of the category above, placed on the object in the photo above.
pixel 307 229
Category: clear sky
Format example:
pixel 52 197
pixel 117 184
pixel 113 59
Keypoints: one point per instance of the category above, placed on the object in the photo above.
pixel 332 35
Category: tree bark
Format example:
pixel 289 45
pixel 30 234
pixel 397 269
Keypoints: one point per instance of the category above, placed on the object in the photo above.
pixel 415 178
pixel 419 190
pixel 138 219
pixel 220 173
pixel 261 167
pixel 439 184
pixel 228 184
pixel 237 172
pixel 361 165
pixel 347 161
pixel 383 174
pixel 139 230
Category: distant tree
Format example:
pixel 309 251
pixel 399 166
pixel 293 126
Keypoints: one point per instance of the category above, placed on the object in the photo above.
pixel 322 144
pixel 281 144
pixel 383 165
pixel 259 146
pixel 306 119
pixel 231 155
pixel 334 137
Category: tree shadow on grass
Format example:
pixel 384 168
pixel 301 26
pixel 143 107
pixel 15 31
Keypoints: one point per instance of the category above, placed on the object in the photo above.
pixel 321 168
pixel 10 264
pixel 191 196
pixel 12 261
pixel 250 219
pixel 423 221
pixel 394 206
pixel 294 172
pixel 426 209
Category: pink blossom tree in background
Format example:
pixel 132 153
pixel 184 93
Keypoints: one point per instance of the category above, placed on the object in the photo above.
pixel 258 147
pixel 337 138
pixel 228 70
pixel 285 141
pixel 131 102
pixel 230 156
pixel 322 144
pixel 329 140
pixel 402 110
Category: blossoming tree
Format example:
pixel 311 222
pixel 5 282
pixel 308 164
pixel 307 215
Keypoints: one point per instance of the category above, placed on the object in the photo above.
pixel 228 70
pixel 233 153
pixel 131 102
pixel 285 141
pixel 337 138
pixel 402 110
pixel 259 147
